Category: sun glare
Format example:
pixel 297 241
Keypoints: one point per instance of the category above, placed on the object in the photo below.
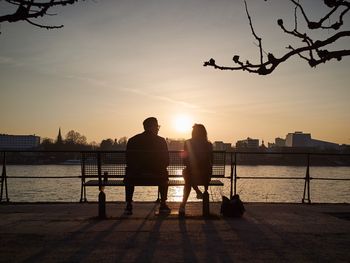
pixel 182 123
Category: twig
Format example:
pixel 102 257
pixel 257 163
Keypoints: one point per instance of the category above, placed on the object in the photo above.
pixel 253 32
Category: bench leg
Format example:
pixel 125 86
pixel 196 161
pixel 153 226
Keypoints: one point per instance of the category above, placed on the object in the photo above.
pixel 85 199
pixel 81 192
pixel 102 205
pixel 206 210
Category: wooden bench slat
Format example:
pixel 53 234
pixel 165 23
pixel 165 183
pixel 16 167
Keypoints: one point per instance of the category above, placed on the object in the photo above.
pixel 108 183
pixel 170 183
pixel 182 182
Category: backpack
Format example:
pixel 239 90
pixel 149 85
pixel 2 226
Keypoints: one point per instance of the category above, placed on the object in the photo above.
pixel 233 207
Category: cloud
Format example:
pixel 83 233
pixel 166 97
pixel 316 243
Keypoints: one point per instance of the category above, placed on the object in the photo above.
pixel 102 83
pixel 167 99
pixel 90 80
pixel 10 61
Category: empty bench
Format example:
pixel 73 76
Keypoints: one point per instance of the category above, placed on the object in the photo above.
pixel 104 169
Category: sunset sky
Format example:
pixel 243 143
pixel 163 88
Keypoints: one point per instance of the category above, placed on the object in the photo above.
pixel 117 62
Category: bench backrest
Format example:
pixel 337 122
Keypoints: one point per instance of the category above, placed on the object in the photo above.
pixel 114 163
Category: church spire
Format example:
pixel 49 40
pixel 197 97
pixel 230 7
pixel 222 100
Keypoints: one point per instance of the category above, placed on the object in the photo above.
pixel 59 137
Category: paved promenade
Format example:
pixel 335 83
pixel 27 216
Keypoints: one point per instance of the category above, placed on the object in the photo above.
pixel 266 233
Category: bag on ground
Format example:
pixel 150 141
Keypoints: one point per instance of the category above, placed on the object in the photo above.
pixel 232 207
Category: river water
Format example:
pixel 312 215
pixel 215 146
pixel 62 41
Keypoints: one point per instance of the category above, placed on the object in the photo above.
pixel 262 190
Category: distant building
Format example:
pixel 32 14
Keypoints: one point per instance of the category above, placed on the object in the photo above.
pixel 221 146
pixel 175 145
pixel 300 139
pixel 248 143
pixel 271 145
pixel 345 148
pixel 262 147
pixel 325 145
pixel 18 142
pixel 279 142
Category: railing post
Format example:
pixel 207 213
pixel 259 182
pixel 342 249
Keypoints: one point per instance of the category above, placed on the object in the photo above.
pixel 231 175
pixel 83 187
pixel 307 182
pixel 101 195
pixel 4 179
pixel 235 175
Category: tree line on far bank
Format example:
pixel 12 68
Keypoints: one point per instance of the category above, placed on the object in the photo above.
pixel 74 141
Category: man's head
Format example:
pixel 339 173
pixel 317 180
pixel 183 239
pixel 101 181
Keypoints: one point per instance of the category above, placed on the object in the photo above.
pixel 151 125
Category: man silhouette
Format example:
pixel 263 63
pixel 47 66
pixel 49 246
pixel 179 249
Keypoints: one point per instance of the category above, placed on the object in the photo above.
pixel 147 158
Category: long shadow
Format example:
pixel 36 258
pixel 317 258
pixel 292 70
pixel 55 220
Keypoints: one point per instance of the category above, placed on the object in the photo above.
pixel 87 248
pixel 254 238
pixel 215 246
pixel 130 243
pixel 147 253
pixel 47 250
pixel 187 245
pixel 92 244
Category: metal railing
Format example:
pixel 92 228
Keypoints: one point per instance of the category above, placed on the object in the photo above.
pixel 4 196
pixel 233 159
pixel 307 178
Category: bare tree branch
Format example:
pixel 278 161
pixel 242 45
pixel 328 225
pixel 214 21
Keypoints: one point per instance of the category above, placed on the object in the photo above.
pixel 43 26
pixel 33 9
pixel 314 51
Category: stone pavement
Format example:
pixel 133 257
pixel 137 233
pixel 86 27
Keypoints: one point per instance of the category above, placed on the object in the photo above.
pixel 267 232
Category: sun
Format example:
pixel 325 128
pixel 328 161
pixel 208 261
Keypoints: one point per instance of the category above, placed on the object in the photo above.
pixel 182 123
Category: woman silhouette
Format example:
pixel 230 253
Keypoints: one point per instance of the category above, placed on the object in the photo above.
pixel 198 161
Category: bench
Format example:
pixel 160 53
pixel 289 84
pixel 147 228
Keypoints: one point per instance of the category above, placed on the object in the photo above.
pixel 107 168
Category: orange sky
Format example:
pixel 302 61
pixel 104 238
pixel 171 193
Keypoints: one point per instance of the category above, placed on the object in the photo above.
pixel 117 62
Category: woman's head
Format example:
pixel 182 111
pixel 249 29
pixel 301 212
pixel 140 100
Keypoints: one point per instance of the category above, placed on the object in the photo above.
pixel 199 132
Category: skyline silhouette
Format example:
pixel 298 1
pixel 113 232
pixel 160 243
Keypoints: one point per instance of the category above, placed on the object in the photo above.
pixel 112 143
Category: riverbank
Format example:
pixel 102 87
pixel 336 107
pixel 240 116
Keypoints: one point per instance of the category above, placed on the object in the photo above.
pixel 70 232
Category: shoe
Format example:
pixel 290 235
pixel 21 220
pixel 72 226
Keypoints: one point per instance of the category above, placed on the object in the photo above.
pixel 163 208
pixel 182 210
pixel 199 195
pixel 128 210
